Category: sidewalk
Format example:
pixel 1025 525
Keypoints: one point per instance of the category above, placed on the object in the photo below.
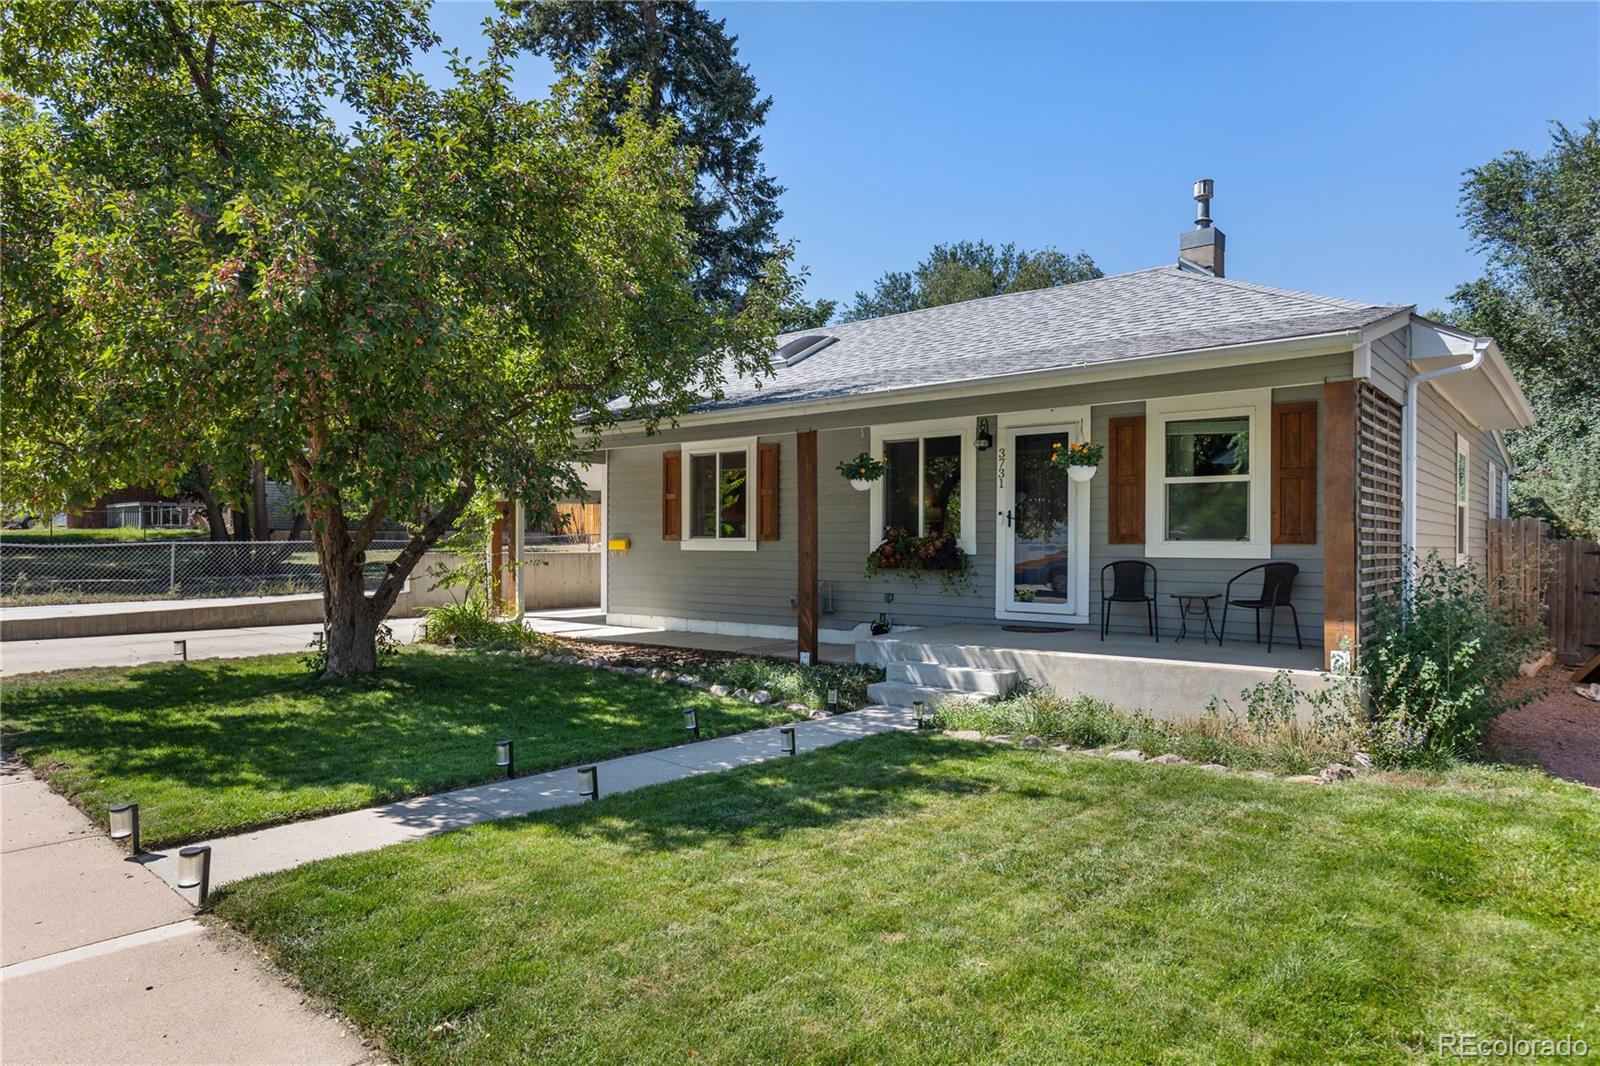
pixel 282 847
pixel 132 649
pixel 101 963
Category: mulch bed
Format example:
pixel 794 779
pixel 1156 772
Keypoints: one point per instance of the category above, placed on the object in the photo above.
pixel 1557 729
pixel 653 654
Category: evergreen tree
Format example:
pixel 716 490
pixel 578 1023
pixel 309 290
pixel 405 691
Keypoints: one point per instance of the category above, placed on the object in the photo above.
pixel 691 67
pixel 968 270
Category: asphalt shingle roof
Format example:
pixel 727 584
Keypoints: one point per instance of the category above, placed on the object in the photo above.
pixel 1159 311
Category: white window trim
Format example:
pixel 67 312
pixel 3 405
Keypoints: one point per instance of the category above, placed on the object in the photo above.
pixel 747 543
pixel 939 427
pixel 1461 492
pixel 1256 404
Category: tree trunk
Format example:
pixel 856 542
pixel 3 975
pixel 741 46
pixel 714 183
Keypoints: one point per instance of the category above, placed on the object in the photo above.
pixel 350 625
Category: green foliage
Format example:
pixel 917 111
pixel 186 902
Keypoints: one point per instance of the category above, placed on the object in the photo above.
pixel 391 315
pixel 689 63
pixel 803 315
pixel 112 535
pixel 789 682
pixel 905 553
pixel 863 467
pixel 471 623
pixel 1267 734
pixel 1538 218
pixel 315 657
pixel 1435 666
pixel 968 270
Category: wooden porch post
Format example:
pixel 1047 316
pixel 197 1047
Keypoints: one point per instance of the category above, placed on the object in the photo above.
pixel 497 556
pixel 806 495
pixel 1340 491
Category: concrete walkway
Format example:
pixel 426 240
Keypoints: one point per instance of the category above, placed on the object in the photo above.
pixel 133 649
pixel 234 858
pixel 101 963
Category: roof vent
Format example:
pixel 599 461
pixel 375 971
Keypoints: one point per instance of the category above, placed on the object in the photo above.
pixel 803 347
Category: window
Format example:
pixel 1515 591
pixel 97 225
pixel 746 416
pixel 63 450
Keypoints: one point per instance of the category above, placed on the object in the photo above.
pixel 1499 494
pixel 1463 456
pixel 717 501
pixel 929 473
pixel 1212 496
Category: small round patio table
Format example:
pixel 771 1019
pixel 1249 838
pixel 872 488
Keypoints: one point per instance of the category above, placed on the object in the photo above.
pixel 1198 605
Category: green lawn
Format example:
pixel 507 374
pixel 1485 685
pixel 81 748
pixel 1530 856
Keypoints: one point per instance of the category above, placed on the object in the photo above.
pixel 917 899
pixel 113 535
pixel 229 744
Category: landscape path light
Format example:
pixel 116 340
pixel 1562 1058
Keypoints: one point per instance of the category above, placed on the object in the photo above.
pixel 786 739
pixel 180 648
pixel 833 701
pixel 691 722
pixel 125 824
pixel 505 754
pixel 194 869
pixel 589 782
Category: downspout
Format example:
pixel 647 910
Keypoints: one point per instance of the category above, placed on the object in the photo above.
pixel 1408 522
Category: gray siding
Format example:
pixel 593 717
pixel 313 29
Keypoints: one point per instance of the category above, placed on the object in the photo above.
pixel 1391 365
pixel 1438 422
pixel 657 578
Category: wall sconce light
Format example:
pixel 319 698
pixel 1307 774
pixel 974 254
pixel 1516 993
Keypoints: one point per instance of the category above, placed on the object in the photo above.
pixel 125 824
pixel 589 782
pixel 194 869
pixel 180 648
pixel 691 722
pixel 505 754
pixel 833 701
pixel 786 739
pixel 985 439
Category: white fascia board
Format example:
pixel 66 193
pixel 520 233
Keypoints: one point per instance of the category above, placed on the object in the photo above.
pixel 1021 381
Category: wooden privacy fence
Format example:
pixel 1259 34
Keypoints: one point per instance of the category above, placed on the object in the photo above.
pixel 1558 581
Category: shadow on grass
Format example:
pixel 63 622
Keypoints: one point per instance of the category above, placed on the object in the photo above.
pixel 886 776
pixel 423 723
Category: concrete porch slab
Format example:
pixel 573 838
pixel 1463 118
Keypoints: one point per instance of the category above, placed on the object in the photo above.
pixel 590 624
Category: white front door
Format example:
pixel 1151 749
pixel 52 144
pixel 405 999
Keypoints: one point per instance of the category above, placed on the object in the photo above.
pixel 1041 529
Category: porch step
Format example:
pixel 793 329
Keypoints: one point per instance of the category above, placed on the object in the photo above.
pixel 960 678
pixel 904 694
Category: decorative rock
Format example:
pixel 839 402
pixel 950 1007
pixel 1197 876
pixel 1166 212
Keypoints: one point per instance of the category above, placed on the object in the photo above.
pixel 1061 747
pixel 1337 772
pixel 1032 742
pixel 1362 759
pixel 1170 759
pixel 965 734
pixel 760 696
pixel 1214 767
pixel 1305 779
pixel 686 680
pixel 1264 775
pixel 998 738
pixel 741 693
pixel 1127 755
pixel 719 690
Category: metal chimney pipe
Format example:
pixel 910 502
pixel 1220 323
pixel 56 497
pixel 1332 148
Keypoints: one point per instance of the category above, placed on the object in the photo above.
pixel 1204 189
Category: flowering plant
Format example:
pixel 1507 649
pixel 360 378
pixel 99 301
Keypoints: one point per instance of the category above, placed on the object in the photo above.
pixel 914 556
pixel 1078 453
pixel 862 468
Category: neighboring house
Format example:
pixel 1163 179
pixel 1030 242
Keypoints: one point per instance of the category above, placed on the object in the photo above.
pixel 1242 424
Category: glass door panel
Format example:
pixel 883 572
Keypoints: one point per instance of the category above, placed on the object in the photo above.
pixel 1040 517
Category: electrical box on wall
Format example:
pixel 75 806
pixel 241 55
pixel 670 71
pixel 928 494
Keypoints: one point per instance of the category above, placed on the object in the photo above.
pixel 618 544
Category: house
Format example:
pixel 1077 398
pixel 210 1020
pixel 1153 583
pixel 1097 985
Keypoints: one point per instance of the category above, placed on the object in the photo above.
pixel 1242 424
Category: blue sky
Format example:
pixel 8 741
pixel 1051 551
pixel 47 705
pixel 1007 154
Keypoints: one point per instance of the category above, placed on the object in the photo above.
pixel 1337 133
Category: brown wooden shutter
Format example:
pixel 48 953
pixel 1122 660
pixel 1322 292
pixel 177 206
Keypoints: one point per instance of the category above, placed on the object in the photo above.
pixel 767 492
pixel 1125 457
pixel 1294 473
pixel 671 486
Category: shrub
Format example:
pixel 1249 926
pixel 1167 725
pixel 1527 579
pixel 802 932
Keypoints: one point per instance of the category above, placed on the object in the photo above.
pixel 1436 664
pixel 470 623
pixel 789 682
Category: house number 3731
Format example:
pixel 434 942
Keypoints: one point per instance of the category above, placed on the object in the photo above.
pixel 1000 467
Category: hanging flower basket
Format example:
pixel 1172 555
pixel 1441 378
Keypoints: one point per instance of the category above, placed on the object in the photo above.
pixel 861 471
pixel 1080 458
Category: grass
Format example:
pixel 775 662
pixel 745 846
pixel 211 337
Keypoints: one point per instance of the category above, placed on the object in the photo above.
pixel 916 899
pixel 226 745
pixel 1273 740
pixel 113 535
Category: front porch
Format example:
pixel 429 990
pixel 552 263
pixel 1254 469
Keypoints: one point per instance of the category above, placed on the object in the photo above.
pixel 1167 680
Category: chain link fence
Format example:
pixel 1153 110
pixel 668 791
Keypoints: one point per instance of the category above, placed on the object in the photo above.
pixel 42 573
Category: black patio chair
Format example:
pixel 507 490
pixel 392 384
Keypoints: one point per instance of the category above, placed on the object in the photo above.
pixel 1277 585
pixel 1127 586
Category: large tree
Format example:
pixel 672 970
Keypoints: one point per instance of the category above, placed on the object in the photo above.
pixel 457 292
pixel 967 270
pixel 1538 218
pixel 690 65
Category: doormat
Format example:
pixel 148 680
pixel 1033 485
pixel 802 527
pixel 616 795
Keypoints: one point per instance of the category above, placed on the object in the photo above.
pixel 1037 629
